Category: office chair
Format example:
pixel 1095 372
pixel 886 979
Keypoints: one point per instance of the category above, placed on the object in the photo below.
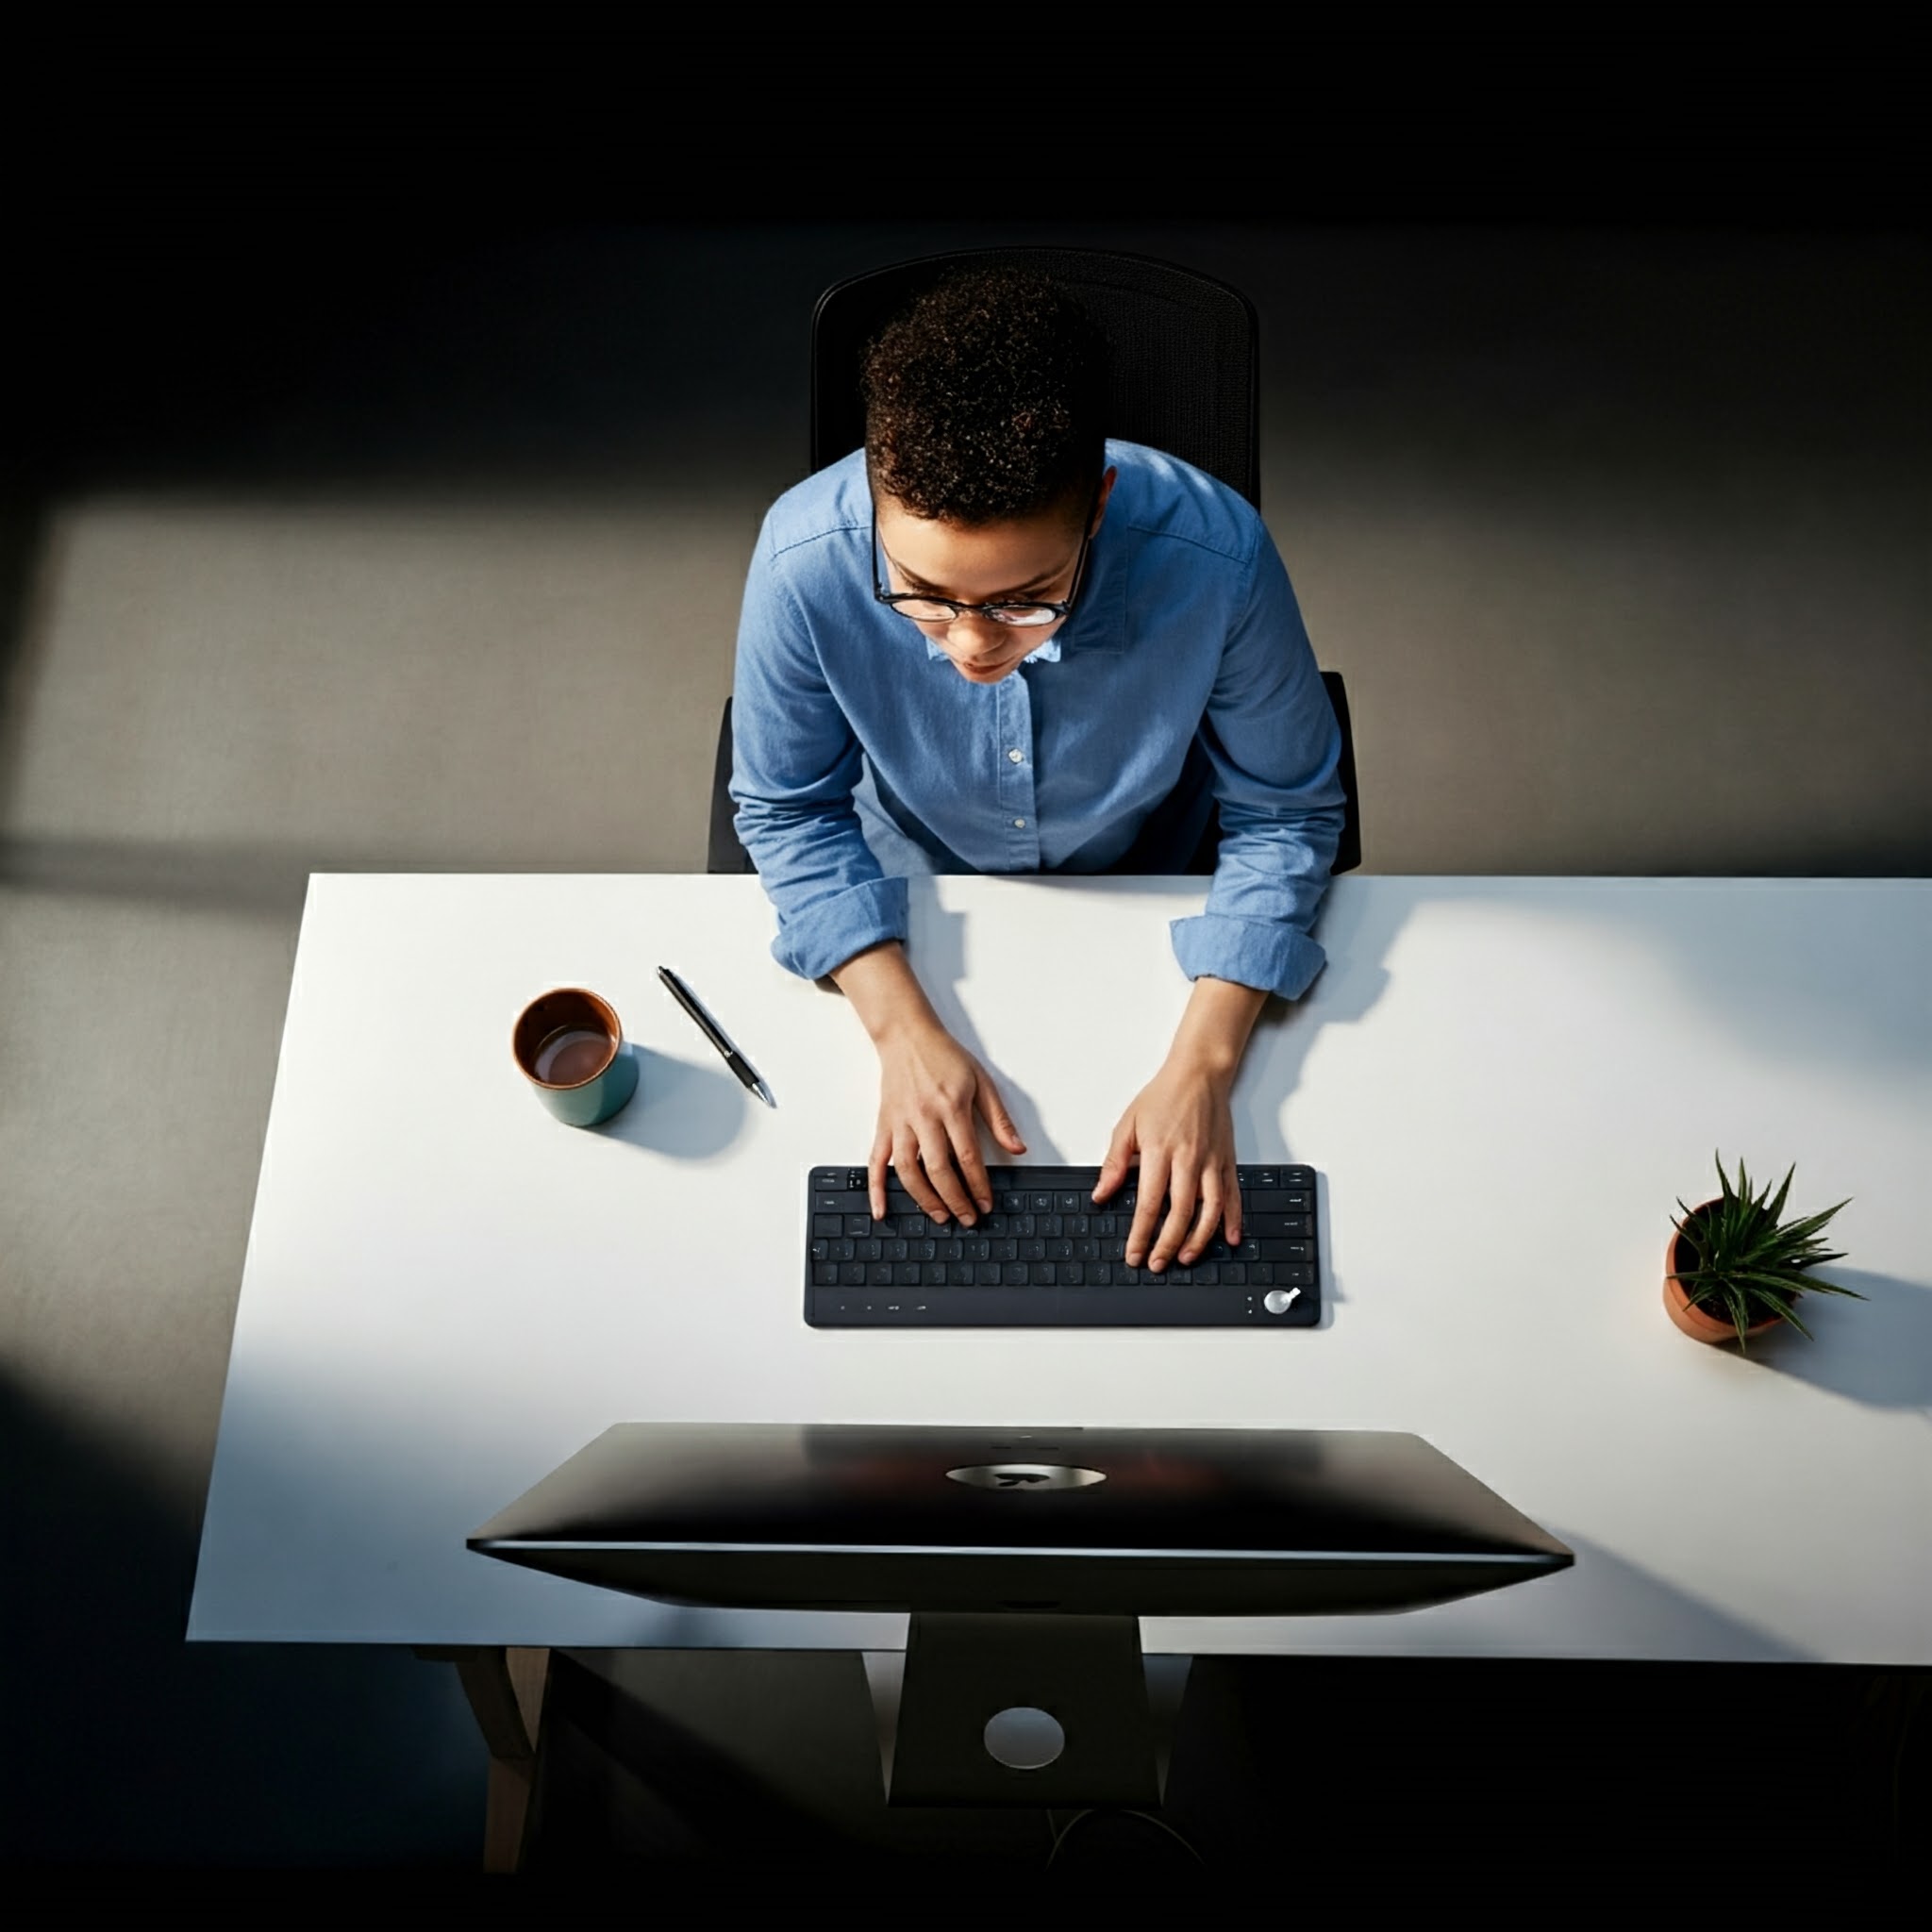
pixel 1185 379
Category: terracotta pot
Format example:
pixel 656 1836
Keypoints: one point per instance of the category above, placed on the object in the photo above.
pixel 1695 1322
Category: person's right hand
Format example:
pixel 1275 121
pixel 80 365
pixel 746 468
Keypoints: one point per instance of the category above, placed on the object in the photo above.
pixel 931 1090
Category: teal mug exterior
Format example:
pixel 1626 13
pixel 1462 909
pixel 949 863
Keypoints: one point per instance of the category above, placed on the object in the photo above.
pixel 570 1046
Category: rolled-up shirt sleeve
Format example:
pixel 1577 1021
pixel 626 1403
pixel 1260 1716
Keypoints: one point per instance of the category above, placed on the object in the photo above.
pixel 795 761
pixel 1271 738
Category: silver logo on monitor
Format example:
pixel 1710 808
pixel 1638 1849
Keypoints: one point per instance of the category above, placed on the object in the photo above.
pixel 1025 1475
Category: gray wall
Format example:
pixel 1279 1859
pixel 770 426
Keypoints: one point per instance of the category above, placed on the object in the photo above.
pixel 348 553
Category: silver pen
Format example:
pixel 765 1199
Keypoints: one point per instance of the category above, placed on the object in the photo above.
pixel 748 1074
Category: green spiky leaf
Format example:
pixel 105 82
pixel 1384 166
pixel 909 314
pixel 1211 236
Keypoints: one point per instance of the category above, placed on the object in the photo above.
pixel 1749 1262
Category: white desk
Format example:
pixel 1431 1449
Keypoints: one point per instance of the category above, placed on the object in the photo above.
pixel 1504 1083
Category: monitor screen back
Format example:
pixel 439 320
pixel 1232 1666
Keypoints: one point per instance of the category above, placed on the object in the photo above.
pixel 1140 1522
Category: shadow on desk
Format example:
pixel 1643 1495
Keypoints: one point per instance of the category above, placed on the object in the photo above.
pixel 1878 1352
pixel 689 1111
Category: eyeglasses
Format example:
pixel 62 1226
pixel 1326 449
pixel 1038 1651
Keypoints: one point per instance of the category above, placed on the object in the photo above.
pixel 922 607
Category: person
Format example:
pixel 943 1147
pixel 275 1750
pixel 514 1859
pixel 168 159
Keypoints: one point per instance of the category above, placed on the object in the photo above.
pixel 992 642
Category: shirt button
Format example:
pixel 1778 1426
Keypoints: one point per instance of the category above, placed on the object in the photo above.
pixel 1018 757
pixel 1019 825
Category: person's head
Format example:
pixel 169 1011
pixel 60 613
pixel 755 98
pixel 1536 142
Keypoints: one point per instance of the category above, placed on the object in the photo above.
pixel 984 442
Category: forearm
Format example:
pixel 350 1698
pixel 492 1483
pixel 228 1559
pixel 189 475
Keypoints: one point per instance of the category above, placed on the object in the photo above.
pixel 885 992
pixel 1213 1032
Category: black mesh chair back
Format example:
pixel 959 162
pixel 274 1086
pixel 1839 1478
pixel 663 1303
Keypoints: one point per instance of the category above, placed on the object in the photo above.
pixel 1185 355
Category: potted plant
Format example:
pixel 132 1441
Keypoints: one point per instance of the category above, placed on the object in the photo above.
pixel 1733 1268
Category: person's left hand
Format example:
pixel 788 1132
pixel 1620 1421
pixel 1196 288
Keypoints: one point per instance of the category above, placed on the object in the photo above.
pixel 1182 1128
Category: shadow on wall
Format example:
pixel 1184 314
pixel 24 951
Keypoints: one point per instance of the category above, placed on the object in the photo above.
pixel 141 1749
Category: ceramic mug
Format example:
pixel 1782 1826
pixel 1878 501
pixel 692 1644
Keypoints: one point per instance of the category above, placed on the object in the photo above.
pixel 570 1046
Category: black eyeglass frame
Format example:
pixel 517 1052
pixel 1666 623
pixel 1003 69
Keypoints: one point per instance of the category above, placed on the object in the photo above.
pixel 892 599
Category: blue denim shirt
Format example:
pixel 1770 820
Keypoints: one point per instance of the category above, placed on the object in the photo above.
pixel 861 757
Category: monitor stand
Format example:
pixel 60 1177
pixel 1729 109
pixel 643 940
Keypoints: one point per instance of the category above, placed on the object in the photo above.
pixel 1018 1707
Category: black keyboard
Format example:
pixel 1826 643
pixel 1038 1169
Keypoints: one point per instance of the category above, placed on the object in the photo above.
pixel 1047 1258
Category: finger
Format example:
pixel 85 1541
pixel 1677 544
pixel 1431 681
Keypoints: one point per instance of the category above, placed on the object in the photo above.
pixel 912 1177
pixel 1152 1186
pixel 1206 1222
pixel 875 1172
pixel 1231 1196
pixel 1185 1191
pixel 973 1173
pixel 997 1118
pixel 936 1151
pixel 1119 1155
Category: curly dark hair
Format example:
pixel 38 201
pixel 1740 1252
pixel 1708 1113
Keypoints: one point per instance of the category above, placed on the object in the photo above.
pixel 984 400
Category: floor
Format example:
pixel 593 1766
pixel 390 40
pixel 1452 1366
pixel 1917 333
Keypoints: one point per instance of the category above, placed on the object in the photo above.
pixel 379 549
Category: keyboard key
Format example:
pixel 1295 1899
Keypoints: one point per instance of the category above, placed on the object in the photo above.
pixel 1044 1274
pixel 824 1275
pixel 821 1251
pixel 852 1275
pixel 987 1273
pixel 905 1275
pixel 958 1273
pixel 827 1224
pixel 1234 1275
pixel 857 1223
pixel 1072 1275
pixel 879 1275
pixel 1274 1226
pixel 1014 1275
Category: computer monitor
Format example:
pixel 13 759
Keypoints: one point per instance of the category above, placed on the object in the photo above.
pixel 1024 1556
pixel 1095 1521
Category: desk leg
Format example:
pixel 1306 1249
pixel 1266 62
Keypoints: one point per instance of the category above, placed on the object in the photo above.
pixel 506 1691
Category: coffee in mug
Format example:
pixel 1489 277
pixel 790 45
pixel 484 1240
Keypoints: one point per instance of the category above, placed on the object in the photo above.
pixel 571 1048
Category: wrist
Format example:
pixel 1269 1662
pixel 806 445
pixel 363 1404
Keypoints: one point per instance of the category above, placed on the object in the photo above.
pixel 1213 1033
pixel 1204 1061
